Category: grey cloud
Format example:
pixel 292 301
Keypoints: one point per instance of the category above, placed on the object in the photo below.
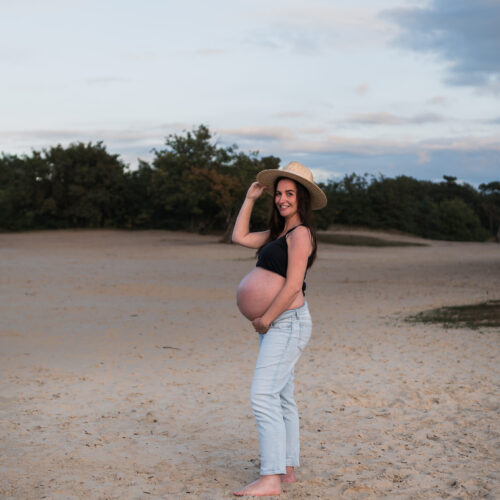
pixel 439 99
pixel 376 145
pixel 105 80
pixel 16 56
pixel 284 39
pixel 467 157
pixel 362 89
pixel 290 114
pixel 315 27
pixel 384 118
pixel 259 133
pixel 138 132
pixel 318 131
pixel 129 143
pixel 464 33
pixel 463 165
pixel 210 52
pixel 68 135
pixel 140 56
pixel 425 118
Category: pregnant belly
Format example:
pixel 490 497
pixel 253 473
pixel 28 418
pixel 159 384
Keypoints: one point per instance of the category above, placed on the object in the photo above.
pixel 257 291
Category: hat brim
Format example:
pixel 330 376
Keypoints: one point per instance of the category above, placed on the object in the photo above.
pixel 318 197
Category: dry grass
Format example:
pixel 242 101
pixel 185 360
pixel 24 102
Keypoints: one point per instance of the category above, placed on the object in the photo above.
pixel 363 240
pixel 484 314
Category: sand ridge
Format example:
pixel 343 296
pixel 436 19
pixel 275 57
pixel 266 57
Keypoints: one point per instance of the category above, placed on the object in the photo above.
pixel 126 367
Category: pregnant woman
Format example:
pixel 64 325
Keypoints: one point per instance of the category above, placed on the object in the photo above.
pixel 271 296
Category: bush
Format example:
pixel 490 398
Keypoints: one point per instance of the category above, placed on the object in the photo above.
pixel 454 220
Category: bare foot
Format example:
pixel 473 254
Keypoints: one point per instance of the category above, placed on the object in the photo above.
pixel 266 485
pixel 289 477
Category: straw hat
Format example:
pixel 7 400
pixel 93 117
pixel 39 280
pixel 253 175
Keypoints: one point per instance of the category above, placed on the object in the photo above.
pixel 299 173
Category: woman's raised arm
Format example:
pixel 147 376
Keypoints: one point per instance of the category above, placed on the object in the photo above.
pixel 241 231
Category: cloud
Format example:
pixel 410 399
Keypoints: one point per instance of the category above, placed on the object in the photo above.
pixel 439 99
pixel 491 87
pixel 324 174
pixel 467 143
pixel 284 138
pixel 383 118
pixel 471 167
pixel 313 131
pixel 339 24
pixel 313 27
pixel 53 136
pixel 31 6
pixel 463 33
pixel 474 159
pixel 376 146
pixel 259 133
pixel 281 38
pixel 290 114
pixel 129 143
pixel 423 157
pixel 16 56
pixel 143 56
pixel 362 89
pixel 106 80
pixel 210 52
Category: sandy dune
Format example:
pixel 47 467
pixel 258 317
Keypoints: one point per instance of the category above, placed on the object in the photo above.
pixel 126 367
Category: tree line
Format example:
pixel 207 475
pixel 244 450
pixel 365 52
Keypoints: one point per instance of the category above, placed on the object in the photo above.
pixel 197 185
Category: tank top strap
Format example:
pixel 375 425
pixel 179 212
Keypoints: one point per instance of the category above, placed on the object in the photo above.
pixel 295 227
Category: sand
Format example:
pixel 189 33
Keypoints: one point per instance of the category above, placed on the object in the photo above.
pixel 126 367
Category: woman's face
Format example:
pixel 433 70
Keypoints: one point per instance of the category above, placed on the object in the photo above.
pixel 285 198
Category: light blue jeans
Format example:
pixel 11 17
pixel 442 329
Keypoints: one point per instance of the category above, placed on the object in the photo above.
pixel 271 396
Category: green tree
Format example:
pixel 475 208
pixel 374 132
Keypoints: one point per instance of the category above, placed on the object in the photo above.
pixel 455 220
pixel 347 201
pixel 177 204
pixel 395 203
pixel 198 185
pixel 24 191
pixel 490 195
pixel 194 183
pixel 87 185
pixel 139 207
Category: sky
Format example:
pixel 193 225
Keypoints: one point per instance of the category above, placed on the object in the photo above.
pixel 383 87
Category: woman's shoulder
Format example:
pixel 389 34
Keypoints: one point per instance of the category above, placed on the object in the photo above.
pixel 299 234
pixel 300 229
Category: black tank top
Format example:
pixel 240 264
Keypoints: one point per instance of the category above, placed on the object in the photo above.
pixel 274 256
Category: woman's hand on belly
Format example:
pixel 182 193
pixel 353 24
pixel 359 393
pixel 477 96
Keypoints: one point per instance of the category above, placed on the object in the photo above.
pixel 260 325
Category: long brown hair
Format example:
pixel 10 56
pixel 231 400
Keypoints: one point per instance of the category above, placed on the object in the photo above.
pixel 277 221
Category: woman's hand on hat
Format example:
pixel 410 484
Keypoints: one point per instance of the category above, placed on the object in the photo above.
pixel 260 325
pixel 255 190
